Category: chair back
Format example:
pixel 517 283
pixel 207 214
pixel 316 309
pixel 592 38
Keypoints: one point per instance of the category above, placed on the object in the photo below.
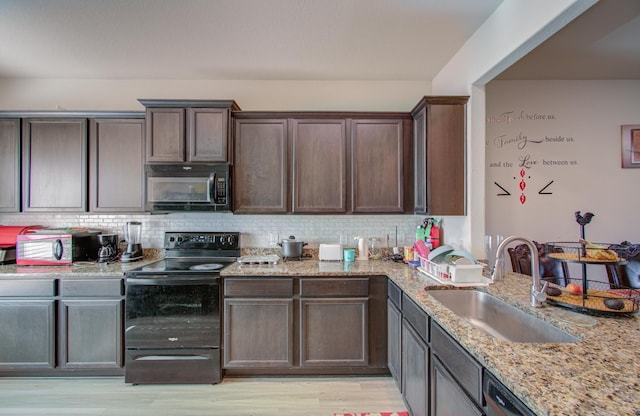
pixel 626 275
pixel 553 270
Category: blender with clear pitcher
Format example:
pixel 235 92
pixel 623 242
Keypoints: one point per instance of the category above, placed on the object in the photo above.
pixel 133 237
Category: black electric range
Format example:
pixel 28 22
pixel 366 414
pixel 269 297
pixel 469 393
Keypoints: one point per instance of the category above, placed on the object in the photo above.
pixel 173 310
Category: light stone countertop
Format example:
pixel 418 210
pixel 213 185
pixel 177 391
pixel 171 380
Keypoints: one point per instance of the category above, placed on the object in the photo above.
pixel 81 269
pixel 600 375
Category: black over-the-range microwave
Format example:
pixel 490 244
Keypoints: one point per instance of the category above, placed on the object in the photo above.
pixel 188 187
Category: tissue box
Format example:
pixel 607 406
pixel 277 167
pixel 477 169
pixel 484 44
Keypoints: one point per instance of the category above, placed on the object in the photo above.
pixel 330 252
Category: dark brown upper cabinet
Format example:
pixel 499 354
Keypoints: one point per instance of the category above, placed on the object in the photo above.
pixel 188 130
pixel 260 180
pixel 440 152
pixel 377 165
pixel 322 162
pixel 54 164
pixel 10 165
pixel 116 165
pixel 319 165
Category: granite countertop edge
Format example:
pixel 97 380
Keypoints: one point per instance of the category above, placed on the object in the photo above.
pixel 598 375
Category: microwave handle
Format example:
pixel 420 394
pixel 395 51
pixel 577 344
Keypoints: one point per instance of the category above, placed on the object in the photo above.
pixel 213 189
pixel 58 249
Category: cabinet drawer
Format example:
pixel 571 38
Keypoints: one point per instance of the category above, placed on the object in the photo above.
pixel 332 287
pixel 394 294
pixel 458 362
pixel 30 288
pixel 258 287
pixel 92 287
pixel 418 318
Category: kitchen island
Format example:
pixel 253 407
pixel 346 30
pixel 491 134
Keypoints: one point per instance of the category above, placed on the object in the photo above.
pixel 599 375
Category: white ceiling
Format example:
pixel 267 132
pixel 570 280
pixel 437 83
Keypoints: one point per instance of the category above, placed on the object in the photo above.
pixel 235 39
pixel 286 39
pixel 601 43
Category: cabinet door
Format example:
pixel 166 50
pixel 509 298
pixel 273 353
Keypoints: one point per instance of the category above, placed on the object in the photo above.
pixel 91 333
pixel 10 165
pixel 258 333
pixel 116 161
pixel 377 166
pixel 28 334
pixel 440 165
pixel 261 163
pixel 394 342
pixel 334 332
pixel 207 134
pixel 420 161
pixel 446 160
pixel 447 398
pixel 165 135
pixel 463 367
pixel 415 371
pixel 319 166
pixel 54 165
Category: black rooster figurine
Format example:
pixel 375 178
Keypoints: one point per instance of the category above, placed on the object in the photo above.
pixel 583 220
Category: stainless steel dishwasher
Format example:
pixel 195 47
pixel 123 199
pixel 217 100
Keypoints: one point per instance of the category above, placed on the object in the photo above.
pixel 500 401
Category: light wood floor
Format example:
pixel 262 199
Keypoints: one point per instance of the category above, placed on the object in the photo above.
pixel 233 397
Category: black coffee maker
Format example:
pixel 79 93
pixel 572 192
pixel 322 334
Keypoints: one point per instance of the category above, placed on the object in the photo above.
pixel 108 251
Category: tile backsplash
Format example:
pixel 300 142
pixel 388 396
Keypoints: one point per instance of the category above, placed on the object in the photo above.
pixel 254 229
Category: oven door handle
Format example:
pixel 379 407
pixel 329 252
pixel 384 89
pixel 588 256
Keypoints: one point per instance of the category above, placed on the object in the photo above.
pixel 166 280
pixel 172 357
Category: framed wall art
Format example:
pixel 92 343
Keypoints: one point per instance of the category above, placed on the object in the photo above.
pixel 631 146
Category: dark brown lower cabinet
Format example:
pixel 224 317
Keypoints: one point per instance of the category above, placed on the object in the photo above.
pixel 456 377
pixel 334 332
pixel 394 332
pixel 447 396
pixel 60 327
pixel 91 325
pixel 415 370
pixel 28 335
pixel 258 323
pixel 27 326
pixel 258 333
pixel 304 325
pixel 91 332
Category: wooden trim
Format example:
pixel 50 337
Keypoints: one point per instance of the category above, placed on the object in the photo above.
pixel 439 100
pixel 321 114
pixel 230 104
pixel 72 114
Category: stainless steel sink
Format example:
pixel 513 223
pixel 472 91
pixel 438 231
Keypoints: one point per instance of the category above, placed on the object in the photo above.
pixel 498 318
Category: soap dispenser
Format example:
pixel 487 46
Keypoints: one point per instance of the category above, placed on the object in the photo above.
pixel 363 253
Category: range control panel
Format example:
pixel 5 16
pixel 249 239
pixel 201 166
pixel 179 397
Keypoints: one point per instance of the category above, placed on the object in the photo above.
pixel 201 241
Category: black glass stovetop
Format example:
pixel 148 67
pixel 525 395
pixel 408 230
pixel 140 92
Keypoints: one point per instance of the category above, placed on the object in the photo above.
pixel 209 266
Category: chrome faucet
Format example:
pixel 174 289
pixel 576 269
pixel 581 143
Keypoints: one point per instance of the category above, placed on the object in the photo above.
pixel 537 295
